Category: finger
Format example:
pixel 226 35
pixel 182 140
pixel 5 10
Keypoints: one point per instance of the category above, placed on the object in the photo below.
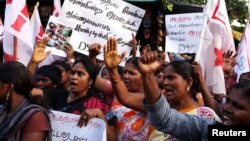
pixel 104 51
pixel 108 44
pixel 115 44
pixel 123 55
pixel 230 54
pixel 133 36
pixel 163 57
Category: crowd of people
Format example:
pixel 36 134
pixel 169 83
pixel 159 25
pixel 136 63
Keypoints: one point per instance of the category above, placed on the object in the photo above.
pixel 148 99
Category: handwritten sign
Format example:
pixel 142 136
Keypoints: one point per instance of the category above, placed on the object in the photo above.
pixel 95 21
pixel 183 32
pixel 64 128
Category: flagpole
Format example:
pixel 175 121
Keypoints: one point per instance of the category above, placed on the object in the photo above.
pixel 15 52
pixel 204 24
pixel 36 7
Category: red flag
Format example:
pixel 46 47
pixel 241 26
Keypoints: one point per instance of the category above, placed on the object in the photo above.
pixel 17 25
pixel 57 8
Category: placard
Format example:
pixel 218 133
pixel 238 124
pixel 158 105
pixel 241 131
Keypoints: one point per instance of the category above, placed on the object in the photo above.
pixel 96 20
pixel 183 32
pixel 64 128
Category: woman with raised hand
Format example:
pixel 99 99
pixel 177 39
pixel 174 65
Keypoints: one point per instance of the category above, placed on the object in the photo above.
pixel 169 121
pixel 22 119
pixel 180 87
pixel 132 121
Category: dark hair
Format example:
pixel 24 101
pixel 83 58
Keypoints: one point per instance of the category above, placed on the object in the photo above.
pixel 62 64
pixel 134 61
pixel 52 72
pixel 185 69
pixel 90 68
pixel 16 73
pixel 245 86
pixel 245 74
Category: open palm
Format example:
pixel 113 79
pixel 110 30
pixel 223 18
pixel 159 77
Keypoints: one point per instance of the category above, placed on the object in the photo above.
pixel 111 57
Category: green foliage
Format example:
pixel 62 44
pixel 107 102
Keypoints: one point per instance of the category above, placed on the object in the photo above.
pixel 237 9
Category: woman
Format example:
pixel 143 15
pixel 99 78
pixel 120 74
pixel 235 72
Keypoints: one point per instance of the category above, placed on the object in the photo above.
pixel 21 119
pixel 48 77
pixel 179 85
pixel 170 121
pixel 65 71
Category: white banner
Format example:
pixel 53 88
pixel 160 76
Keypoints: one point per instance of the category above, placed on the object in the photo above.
pixel 96 20
pixel 183 32
pixel 64 128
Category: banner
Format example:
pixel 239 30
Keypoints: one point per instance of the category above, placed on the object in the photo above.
pixel 96 20
pixel 183 32
pixel 64 128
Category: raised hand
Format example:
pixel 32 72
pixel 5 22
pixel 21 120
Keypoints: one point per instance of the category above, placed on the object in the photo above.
pixel 229 61
pixel 68 48
pixel 111 57
pixel 39 53
pixel 151 62
pixel 94 49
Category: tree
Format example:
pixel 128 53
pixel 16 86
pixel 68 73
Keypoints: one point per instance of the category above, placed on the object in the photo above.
pixel 237 9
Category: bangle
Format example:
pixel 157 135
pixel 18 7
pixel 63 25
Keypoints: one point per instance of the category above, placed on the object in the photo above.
pixel 209 97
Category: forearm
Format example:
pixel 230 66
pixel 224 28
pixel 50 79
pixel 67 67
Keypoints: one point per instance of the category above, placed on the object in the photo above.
pixel 130 100
pixel 151 89
pixel 208 98
pixel 32 67
pixel 93 60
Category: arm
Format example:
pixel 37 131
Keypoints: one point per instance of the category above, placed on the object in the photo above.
pixel 68 48
pixel 208 98
pixel 36 128
pixel 162 117
pixel 112 60
pixel 38 55
pixel 94 50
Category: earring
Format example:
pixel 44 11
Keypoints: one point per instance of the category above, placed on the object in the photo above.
pixel 188 88
pixel 7 96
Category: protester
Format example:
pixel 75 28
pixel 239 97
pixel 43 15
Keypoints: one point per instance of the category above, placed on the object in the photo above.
pixel 129 91
pixel 21 119
pixel 244 77
pixel 170 121
pixel 65 72
pixel 48 77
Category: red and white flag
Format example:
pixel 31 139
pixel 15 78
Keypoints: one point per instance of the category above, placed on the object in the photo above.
pixel 218 14
pixel 37 29
pixel 57 8
pixel 1 29
pixel 17 25
pixel 214 41
pixel 243 57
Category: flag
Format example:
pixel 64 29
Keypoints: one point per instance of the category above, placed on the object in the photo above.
pixel 37 29
pixel 212 44
pixel 243 57
pixel 57 8
pixel 1 29
pixel 218 14
pixel 17 32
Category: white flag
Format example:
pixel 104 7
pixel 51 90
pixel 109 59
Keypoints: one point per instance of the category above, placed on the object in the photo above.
pixel 37 29
pixel 243 58
pixel 218 14
pixel 57 8
pixel 211 46
pixel 17 25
